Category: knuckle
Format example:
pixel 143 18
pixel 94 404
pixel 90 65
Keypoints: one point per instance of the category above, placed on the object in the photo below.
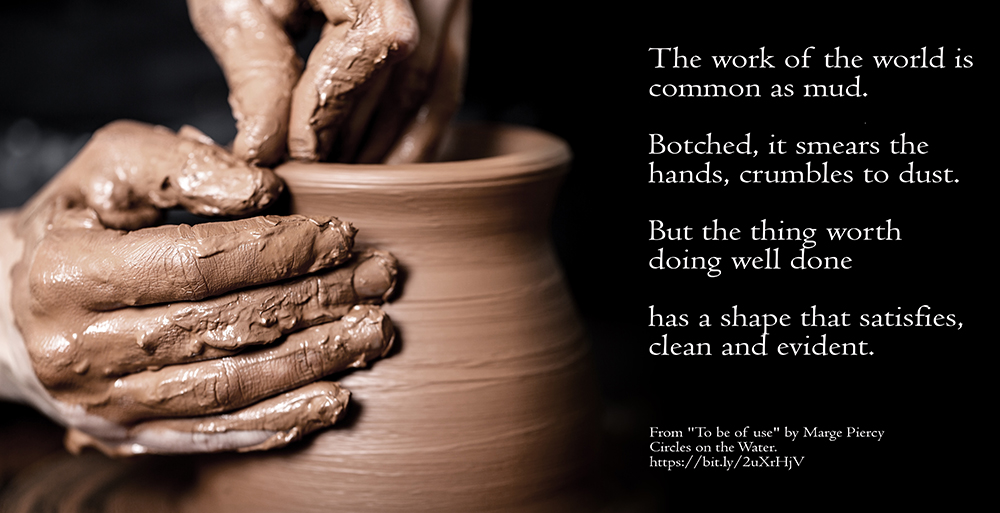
pixel 221 388
pixel 55 361
pixel 311 364
pixel 191 277
pixel 112 132
pixel 198 390
pixel 398 28
pixel 182 269
pixel 209 392
pixel 195 391
pixel 54 278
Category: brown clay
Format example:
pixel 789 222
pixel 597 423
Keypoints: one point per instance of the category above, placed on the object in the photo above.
pixel 426 88
pixel 488 404
pixel 249 41
pixel 359 95
pixel 117 328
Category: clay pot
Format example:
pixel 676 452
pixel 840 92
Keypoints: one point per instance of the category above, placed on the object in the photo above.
pixel 488 402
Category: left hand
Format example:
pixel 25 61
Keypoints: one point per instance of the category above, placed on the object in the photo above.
pixel 141 338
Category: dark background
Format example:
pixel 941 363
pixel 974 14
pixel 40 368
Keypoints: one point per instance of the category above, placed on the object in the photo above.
pixel 72 66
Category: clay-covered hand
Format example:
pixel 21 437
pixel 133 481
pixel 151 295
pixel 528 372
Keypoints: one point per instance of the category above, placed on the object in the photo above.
pixel 177 338
pixel 360 97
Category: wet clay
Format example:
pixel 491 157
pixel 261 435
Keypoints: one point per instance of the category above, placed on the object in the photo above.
pixel 382 83
pixel 269 98
pixel 128 172
pixel 270 423
pixel 121 327
pixel 359 39
pixel 489 402
pixel 426 88
pixel 249 41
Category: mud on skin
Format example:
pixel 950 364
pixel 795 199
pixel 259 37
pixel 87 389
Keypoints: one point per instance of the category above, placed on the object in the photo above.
pixel 381 84
pixel 135 332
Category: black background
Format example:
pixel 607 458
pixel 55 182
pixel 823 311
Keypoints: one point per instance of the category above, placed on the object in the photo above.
pixel 583 73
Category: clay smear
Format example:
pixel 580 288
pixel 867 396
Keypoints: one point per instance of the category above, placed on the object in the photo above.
pixel 177 321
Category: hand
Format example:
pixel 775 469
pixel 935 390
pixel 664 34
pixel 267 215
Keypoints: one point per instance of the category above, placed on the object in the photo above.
pixel 359 98
pixel 143 340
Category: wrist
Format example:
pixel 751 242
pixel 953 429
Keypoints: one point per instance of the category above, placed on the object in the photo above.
pixel 18 382
pixel 10 252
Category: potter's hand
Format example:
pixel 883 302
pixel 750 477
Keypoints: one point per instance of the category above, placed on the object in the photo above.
pixel 135 337
pixel 356 81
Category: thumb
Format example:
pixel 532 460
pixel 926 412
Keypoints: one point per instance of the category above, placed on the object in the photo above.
pixel 128 171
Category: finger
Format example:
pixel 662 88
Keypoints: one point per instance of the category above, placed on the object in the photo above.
pixel 285 11
pixel 128 171
pixel 249 41
pixel 411 78
pixel 135 339
pixel 422 137
pixel 355 129
pixel 358 40
pixel 214 386
pixel 269 424
pixel 107 270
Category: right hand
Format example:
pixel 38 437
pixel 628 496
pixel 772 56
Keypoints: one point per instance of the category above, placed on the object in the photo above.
pixel 344 105
pixel 145 338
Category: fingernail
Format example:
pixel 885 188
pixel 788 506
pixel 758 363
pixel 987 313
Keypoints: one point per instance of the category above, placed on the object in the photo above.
pixel 260 140
pixel 328 409
pixel 370 328
pixel 222 185
pixel 346 229
pixel 270 188
pixel 332 244
pixel 376 276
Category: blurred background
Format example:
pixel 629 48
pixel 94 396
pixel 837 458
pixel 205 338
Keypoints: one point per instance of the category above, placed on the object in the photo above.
pixel 71 66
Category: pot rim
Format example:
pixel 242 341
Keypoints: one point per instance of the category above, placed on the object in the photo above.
pixel 535 153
